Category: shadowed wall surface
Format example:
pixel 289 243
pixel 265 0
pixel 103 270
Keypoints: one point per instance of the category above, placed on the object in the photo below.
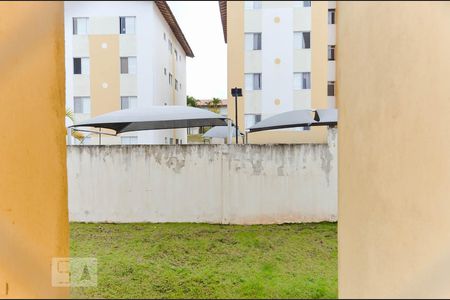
pixel 33 185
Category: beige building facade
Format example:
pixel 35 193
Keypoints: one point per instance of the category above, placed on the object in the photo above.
pixel 121 55
pixel 282 54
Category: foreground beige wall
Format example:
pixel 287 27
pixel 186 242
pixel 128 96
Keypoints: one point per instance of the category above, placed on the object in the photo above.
pixel 33 184
pixel 394 149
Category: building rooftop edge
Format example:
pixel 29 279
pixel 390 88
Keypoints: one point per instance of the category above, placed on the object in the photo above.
pixel 173 24
pixel 223 17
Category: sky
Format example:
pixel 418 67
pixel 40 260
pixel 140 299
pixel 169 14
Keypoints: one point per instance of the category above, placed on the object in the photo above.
pixel 202 27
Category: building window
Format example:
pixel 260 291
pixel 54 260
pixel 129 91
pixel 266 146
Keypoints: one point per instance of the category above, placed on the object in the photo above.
pixel 176 54
pixel 171 141
pixel 165 71
pixel 252 119
pixel 302 40
pixel 306 3
pixel 127 25
pixel 253 4
pixel 170 79
pixel 302 81
pixel 331 16
pixel 253 41
pixel 170 46
pixel 330 88
pixel 128 65
pixel 129 140
pixel 80 26
pixel 164 35
pixel 176 85
pixel 81 65
pixel 253 81
pixel 82 105
pixel 127 102
pixel 331 52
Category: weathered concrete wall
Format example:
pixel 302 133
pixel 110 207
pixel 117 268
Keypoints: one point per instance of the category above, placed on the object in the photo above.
pixel 234 184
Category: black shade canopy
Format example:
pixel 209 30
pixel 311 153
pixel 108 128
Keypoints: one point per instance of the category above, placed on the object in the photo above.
pixel 154 117
pixel 298 118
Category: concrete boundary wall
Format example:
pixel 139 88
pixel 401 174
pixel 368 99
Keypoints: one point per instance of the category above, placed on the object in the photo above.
pixel 229 184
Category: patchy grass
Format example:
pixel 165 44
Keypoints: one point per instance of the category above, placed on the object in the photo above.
pixel 196 139
pixel 208 261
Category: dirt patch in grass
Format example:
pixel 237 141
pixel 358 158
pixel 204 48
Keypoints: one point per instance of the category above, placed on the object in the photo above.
pixel 208 261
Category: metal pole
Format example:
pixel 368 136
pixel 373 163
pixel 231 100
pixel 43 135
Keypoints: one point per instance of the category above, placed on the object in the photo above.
pixel 229 132
pixel 236 115
pixel 96 132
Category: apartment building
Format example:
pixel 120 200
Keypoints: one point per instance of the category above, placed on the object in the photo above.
pixel 281 53
pixel 122 55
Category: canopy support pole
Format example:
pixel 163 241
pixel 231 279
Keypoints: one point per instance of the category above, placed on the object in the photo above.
pixel 229 132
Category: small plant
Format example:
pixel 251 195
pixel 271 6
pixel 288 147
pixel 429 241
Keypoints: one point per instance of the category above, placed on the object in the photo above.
pixel 76 134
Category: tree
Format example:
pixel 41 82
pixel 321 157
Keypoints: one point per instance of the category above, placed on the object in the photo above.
pixel 191 101
pixel 214 105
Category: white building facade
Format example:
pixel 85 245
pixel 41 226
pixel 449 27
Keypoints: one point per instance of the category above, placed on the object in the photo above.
pixel 122 55
pixel 282 54
pixel 331 54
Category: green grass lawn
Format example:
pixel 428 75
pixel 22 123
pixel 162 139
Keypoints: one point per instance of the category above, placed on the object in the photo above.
pixel 208 261
pixel 195 139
